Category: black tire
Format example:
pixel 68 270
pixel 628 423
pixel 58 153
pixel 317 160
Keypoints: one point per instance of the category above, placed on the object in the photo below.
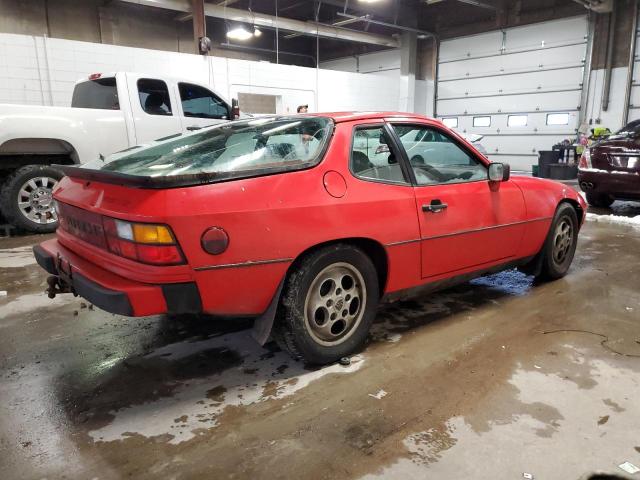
pixel 9 199
pixel 558 250
pixel 600 200
pixel 294 331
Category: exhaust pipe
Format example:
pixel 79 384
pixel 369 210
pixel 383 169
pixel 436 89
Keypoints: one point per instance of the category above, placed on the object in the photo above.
pixel 586 185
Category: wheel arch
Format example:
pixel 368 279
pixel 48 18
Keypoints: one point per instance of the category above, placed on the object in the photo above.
pixel 576 206
pixel 372 248
pixel 18 152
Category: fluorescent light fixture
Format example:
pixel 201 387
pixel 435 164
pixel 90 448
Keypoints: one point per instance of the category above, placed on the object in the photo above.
pixel 239 33
pixel 256 32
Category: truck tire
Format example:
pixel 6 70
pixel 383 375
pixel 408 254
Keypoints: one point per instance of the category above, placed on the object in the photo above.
pixel 26 201
pixel 328 304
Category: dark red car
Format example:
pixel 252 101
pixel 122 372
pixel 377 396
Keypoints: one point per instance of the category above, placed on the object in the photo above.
pixel 610 169
pixel 305 222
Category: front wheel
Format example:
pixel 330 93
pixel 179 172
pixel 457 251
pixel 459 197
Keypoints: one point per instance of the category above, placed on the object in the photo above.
pixel 26 199
pixel 560 246
pixel 328 304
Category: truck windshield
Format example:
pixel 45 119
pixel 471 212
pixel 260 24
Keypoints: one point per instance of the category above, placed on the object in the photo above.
pixel 101 93
pixel 233 150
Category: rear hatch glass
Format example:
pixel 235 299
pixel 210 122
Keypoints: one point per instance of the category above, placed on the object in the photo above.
pixel 232 150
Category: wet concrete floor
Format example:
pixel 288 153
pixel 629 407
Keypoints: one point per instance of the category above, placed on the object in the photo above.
pixel 489 380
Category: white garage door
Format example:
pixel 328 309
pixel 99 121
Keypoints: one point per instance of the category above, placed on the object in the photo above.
pixel 634 97
pixel 519 87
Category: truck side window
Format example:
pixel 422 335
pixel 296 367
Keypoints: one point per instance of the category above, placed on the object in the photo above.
pixel 198 102
pixel 154 96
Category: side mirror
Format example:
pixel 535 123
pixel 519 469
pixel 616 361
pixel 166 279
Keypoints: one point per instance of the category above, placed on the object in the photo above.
pixel 499 172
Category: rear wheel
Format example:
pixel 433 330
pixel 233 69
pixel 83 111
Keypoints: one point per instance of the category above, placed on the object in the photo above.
pixel 328 304
pixel 560 246
pixel 26 199
pixel 601 200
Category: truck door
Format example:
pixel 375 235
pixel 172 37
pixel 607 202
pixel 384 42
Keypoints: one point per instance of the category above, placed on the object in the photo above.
pixel 153 107
pixel 201 107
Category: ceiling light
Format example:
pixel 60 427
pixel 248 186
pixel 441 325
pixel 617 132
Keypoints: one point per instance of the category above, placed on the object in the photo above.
pixel 256 32
pixel 239 33
pixel 368 1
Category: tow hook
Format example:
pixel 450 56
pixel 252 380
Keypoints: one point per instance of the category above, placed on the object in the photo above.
pixel 56 287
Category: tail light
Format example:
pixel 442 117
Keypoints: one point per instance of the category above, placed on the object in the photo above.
pixel 142 242
pixel 585 159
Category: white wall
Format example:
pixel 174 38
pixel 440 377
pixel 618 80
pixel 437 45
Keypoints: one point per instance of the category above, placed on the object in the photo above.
pixel 611 118
pixel 386 62
pixel 43 71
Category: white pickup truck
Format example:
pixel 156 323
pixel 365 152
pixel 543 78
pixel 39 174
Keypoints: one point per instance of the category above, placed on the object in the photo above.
pixel 108 113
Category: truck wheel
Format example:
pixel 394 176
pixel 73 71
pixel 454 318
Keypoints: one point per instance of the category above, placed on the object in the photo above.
pixel 26 200
pixel 560 246
pixel 600 200
pixel 329 302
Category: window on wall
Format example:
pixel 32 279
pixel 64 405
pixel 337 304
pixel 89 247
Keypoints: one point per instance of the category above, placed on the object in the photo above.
pixel 436 158
pixel 201 103
pixel 484 121
pixel 451 122
pixel 154 96
pixel 517 121
pixel 557 119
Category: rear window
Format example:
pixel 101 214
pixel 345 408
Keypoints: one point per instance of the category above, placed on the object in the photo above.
pixel 233 150
pixel 101 94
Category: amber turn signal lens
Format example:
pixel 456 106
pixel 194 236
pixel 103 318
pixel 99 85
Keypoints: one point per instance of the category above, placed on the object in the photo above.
pixel 214 241
pixel 151 234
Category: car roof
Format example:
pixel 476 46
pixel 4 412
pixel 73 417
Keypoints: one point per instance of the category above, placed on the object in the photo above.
pixel 354 116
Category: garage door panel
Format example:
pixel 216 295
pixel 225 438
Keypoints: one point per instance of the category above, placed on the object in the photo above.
pixel 514 144
pixel 518 163
pixel 513 104
pixel 549 58
pixel 472 46
pixel 521 83
pixel 568 30
pixel 536 122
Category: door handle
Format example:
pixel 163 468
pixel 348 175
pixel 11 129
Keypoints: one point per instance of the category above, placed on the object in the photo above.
pixel 434 207
pixel 193 127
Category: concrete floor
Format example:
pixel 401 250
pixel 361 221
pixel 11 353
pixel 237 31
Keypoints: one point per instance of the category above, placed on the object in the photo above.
pixel 489 380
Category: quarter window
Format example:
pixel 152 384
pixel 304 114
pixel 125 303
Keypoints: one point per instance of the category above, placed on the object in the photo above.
pixel 451 122
pixel 517 121
pixel 372 157
pixel 482 121
pixel 436 159
pixel 154 96
pixel 199 102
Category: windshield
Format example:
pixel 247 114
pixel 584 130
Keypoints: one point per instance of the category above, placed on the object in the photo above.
pixel 234 149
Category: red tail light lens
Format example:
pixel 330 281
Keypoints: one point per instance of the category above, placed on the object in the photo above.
pixel 142 242
pixel 585 159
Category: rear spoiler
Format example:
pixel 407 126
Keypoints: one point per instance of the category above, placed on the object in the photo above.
pixel 172 181
pixel 136 181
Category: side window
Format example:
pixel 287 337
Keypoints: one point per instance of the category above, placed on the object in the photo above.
pixel 199 102
pixel 154 96
pixel 372 157
pixel 436 158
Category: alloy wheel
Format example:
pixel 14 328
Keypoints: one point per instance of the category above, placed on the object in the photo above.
pixel 563 241
pixel 35 200
pixel 335 304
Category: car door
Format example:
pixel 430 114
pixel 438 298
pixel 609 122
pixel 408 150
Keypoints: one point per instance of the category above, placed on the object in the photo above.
pixel 201 107
pixel 153 107
pixel 466 222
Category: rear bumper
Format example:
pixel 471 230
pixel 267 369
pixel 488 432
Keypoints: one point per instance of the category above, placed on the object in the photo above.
pixel 623 186
pixel 111 292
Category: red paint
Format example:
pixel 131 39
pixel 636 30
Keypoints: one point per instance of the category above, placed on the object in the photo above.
pixel 279 217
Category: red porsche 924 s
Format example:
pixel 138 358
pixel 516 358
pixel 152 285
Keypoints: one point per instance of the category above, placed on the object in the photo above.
pixel 306 222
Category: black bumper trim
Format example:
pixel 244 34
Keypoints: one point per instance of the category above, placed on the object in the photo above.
pixel 182 297
pixel 45 260
pixel 110 300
